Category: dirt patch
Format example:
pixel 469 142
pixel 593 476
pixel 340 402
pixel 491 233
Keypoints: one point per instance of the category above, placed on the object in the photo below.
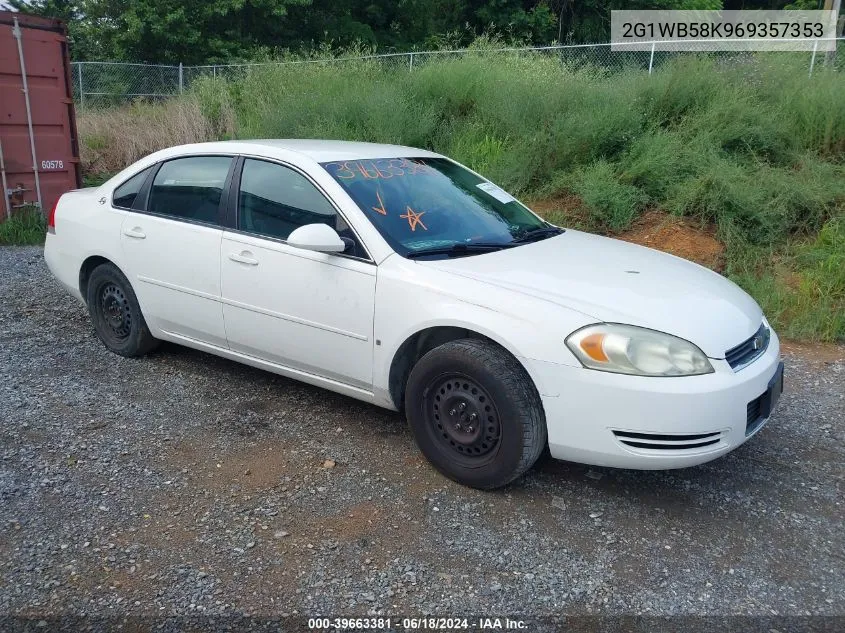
pixel 677 236
pixel 255 468
pixel 815 352
pixel 359 520
pixel 565 209
pixel 654 229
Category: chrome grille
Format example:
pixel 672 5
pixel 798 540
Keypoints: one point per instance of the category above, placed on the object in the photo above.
pixel 749 350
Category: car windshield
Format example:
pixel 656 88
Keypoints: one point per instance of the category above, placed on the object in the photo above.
pixel 432 206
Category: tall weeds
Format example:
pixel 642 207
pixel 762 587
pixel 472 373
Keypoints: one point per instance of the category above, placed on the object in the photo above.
pixel 117 137
pixel 757 148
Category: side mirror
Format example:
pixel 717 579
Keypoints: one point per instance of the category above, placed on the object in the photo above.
pixel 316 237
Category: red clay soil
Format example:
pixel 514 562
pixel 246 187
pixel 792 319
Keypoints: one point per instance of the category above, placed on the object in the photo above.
pixel 824 353
pixel 677 236
pixel 562 206
pixel 655 229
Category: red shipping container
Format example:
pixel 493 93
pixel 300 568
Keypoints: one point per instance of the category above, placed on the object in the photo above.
pixel 39 149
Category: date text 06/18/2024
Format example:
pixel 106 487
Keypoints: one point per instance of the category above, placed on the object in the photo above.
pixel 418 624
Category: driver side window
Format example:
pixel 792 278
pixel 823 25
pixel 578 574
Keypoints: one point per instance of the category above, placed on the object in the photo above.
pixel 274 200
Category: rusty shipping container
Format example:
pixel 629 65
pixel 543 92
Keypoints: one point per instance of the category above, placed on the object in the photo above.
pixel 39 149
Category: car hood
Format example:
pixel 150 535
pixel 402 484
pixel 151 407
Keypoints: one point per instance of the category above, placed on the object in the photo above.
pixel 614 281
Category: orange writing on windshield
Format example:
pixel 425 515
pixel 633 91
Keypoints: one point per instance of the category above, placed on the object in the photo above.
pixel 378 169
pixel 380 208
pixel 414 219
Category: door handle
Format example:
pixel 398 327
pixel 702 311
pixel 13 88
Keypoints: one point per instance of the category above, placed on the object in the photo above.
pixel 135 232
pixel 245 257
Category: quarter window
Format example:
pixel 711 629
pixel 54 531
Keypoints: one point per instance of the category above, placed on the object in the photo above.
pixel 190 188
pixel 125 194
pixel 275 200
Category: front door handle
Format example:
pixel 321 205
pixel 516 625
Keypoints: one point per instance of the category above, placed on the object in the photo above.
pixel 245 257
pixel 135 232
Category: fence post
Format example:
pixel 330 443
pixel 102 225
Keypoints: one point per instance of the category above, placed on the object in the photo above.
pixel 81 91
pixel 813 58
pixel 835 6
pixel 651 59
pixel 181 79
pixel 410 62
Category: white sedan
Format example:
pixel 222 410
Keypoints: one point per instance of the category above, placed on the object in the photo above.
pixel 397 276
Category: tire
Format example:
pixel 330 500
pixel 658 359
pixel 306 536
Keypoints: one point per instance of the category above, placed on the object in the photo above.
pixel 471 376
pixel 116 314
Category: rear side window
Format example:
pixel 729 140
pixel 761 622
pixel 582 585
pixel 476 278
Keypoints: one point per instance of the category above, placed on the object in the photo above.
pixel 190 188
pixel 125 194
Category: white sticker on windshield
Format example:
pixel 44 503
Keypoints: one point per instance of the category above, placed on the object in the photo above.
pixel 497 192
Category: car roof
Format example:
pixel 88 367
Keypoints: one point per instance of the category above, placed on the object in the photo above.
pixel 318 150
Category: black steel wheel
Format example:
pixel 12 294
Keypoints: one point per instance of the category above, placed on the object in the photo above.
pixel 465 418
pixel 116 314
pixel 475 413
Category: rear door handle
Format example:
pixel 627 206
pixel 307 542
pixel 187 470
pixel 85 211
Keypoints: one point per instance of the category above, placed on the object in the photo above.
pixel 245 257
pixel 135 232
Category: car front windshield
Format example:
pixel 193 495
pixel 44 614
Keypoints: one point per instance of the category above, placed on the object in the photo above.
pixel 423 205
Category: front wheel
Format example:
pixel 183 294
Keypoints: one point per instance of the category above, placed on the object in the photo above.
pixel 475 413
pixel 116 314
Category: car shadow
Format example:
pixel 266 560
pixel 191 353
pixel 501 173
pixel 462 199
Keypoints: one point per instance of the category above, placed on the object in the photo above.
pixel 750 471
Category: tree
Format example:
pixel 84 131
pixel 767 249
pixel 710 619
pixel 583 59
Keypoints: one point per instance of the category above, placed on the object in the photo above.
pixel 199 31
pixel 214 31
pixel 527 20
pixel 389 25
pixel 589 21
pixel 166 31
pixel 66 10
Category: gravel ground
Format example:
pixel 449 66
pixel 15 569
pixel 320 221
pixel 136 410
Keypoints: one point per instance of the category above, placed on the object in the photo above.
pixel 182 484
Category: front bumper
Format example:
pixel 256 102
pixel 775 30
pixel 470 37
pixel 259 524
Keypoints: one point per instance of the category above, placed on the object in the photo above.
pixel 648 423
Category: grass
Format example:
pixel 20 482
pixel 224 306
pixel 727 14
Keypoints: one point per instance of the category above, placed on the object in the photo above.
pixel 115 138
pixel 26 226
pixel 756 148
pixel 802 287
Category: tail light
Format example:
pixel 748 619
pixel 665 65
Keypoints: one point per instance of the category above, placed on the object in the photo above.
pixel 51 219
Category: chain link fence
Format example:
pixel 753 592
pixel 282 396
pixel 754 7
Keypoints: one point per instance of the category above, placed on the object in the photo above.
pixel 103 84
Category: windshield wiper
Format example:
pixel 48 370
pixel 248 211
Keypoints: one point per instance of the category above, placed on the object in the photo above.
pixel 459 250
pixel 535 235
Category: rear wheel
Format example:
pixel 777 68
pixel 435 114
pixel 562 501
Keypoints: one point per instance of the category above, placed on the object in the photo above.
pixel 116 314
pixel 475 413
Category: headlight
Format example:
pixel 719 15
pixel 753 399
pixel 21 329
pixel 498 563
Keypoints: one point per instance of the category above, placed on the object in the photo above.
pixel 625 349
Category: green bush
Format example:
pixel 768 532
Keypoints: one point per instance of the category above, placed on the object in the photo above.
pixel 802 290
pixel 612 204
pixel 26 226
pixel 821 312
